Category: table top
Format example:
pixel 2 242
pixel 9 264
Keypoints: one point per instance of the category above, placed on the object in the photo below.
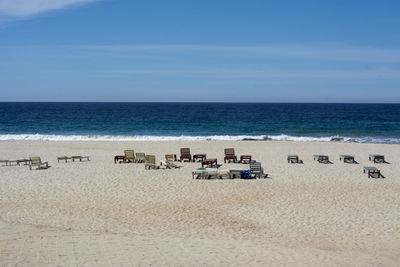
pixel 199 154
pixel 293 156
pixel 346 156
pixel 214 159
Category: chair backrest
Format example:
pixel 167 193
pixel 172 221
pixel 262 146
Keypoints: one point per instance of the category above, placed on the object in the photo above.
pixel 129 154
pixel 255 166
pixel 169 157
pixel 140 156
pixel 229 151
pixel 185 151
pixel 150 159
pixel 35 160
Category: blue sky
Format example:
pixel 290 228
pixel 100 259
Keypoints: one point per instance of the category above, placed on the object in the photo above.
pixel 235 51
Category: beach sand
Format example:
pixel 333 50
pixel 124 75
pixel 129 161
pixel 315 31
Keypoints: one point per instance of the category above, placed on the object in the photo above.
pixel 99 213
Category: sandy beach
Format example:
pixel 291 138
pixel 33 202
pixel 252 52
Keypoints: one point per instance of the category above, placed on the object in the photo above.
pixel 99 213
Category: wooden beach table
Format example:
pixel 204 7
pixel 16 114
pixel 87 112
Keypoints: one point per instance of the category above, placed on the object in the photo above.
pixel 347 158
pixel 200 157
pixel 245 159
pixel 373 172
pixel 376 158
pixel 293 159
pixel 209 162
pixel 321 158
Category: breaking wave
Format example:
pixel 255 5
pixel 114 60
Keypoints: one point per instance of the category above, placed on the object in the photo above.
pixel 282 137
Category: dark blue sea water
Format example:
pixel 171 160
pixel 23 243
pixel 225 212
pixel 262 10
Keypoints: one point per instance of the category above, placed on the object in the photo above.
pixel 375 123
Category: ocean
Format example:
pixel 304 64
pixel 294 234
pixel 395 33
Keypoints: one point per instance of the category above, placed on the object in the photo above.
pixel 362 123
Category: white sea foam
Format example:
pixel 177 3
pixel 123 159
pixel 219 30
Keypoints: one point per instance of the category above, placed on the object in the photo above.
pixel 43 137
pixel 282 137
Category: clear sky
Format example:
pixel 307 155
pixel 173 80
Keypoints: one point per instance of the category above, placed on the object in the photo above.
pixel 200 50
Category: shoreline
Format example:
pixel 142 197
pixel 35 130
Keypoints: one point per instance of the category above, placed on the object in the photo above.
pixel 155 138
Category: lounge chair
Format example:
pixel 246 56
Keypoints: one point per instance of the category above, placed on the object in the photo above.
pixel 129 156
pixel 185 154
pixel 373 172
pixel 205 173
pixel 256 170
pixel 322 158
pixel 170 157
pixel 36 161
pixel 347 158
pixel 230 155
pixel 168 164
pixel 376 158
pixel 150 162
pixel 140 157
pixel 294 159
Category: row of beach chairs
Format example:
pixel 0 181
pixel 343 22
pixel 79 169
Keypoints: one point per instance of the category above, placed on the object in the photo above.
pixel 149 160
pixel 376 158
pixel 229 156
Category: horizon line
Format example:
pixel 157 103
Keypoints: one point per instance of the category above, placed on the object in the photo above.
pixel 198 102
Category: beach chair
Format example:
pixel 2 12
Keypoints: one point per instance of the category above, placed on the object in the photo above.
pixel 322 158
pixel 129 156
pixel 170 157
pixel 140 157
pixel 168 164
pixel 293 159
pixel 373 172
pixel 376 158
pixel 230 155
pixel 256 170
pixel 205 173
pixel 185 154
pixel 150 162
pixel 347 158
pixel 36 161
